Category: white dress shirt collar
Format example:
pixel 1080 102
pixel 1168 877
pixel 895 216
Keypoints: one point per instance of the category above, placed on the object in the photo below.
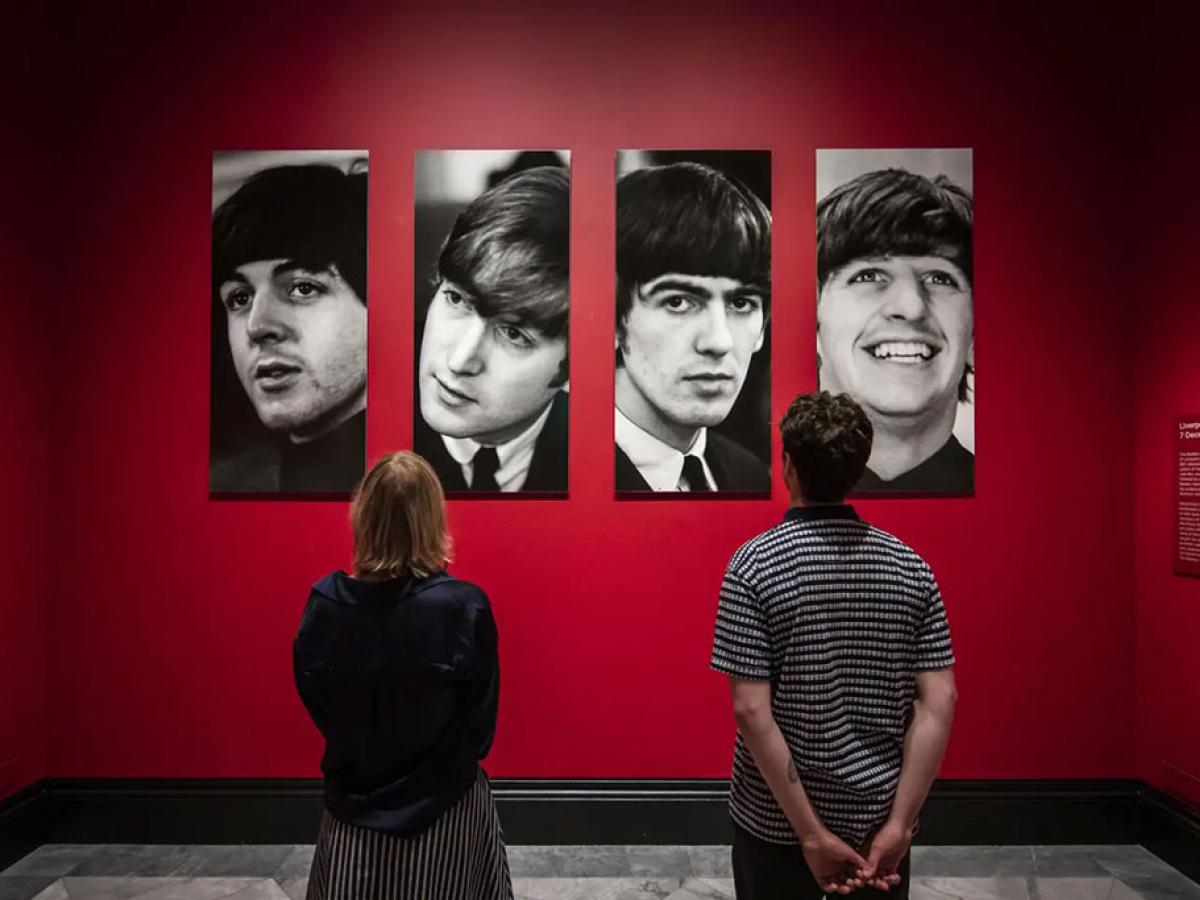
pixel 515 455
pixel 660 464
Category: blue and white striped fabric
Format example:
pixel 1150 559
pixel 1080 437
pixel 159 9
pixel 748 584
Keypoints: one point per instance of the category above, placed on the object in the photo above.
pixel 839 616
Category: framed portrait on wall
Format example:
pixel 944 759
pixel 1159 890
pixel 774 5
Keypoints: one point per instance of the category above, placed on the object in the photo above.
pixel 895 311
pixel 289 322
pixel 692 349
pixel 492 306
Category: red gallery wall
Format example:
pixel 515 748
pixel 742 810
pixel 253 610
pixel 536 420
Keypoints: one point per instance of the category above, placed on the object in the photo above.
pixel 175 612
pixel 26 477
pixel 1165 297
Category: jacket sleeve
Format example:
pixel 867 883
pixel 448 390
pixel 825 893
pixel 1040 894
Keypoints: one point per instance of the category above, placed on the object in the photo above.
pixel 305 661
pixel 484 689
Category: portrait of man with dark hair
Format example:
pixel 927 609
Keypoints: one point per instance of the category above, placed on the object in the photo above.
pixel 895 315
pixel 692 408
pixel 289 338
pixel 492 375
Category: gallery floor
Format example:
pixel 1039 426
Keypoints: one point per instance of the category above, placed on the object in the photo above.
pixel 168 872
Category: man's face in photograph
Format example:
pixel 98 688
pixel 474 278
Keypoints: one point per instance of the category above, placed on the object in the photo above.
pixel 895 333
pixel 298 338
pixel 686 347
pixel 483 378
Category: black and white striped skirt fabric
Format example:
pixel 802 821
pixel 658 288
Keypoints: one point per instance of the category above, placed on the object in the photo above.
pixel 460 857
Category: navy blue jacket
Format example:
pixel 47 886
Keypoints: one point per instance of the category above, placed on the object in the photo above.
pixel 402 679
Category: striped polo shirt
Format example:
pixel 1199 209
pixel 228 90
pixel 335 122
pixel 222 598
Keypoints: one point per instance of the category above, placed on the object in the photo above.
pixel 839 616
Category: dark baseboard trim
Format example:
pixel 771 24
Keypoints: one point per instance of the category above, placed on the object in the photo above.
pixel 1170 829
pixel 536 811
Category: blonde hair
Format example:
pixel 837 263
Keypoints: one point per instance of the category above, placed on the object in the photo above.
pixel 399 519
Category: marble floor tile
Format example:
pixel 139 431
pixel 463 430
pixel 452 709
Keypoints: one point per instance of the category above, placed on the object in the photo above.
pixel 243 861
pixel 23 887
pixel 658 861
pixel 1067 862
pixel 973 862
pixel 596 888
pixel 52 859
pixel 98 888
pixel 136 860
pixel 296 864
pixel 704 889
pixel 1122 891
pixel 568 862
pixel 1174 886
pixel 939 888
pixel 56 891
pixel 197 861
pixel 280 872
pixel 711 861
pixel 1074 888
pixel 1130 861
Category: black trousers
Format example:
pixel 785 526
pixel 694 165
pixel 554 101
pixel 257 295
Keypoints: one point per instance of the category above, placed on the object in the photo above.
pixel 766 871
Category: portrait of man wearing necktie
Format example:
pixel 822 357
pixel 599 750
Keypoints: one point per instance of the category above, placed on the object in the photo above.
pixel 492 370
pixel 693 297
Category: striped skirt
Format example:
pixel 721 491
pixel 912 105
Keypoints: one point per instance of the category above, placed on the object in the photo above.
pixel 460 857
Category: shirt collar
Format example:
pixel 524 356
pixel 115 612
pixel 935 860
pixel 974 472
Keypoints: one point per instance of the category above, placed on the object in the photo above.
pixel 660 464
pixel 813 513
pixel 464 449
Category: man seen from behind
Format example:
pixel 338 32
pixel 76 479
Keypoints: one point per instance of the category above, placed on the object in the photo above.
pixel 835 640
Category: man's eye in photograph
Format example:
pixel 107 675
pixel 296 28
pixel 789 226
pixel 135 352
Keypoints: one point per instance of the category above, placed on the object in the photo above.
pixel 679 303
pixel 692 371
pixel 895 317
pixel 492 385
pixel 289 343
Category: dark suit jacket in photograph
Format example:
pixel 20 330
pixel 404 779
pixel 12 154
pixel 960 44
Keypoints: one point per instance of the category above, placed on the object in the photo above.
pixel 547 471
pixel 268 463
pixel 734 468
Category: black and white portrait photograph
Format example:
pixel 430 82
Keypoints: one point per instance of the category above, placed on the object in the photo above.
pixel 692 380
pixel 289 322
pixel 895 313
pixel 491 263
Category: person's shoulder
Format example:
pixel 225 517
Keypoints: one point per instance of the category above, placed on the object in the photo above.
pixel 901 552
pixel 442 587
pixel 746 558
pixel 328 586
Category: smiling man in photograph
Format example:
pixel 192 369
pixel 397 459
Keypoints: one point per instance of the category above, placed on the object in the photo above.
pixel 693 293
pixel 289 271
pixel 895 326
pixel 492 375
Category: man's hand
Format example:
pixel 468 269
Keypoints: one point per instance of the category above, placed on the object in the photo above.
pixel 884 853
pixel 835 865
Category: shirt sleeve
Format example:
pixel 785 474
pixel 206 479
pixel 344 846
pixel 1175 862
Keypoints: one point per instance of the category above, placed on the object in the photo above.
pixel 484 692
pixel 741 646
pixel 933 648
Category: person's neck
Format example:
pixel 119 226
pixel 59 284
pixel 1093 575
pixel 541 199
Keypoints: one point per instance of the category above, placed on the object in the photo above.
pixel 904 442
pixel 634 406
pixel 798 502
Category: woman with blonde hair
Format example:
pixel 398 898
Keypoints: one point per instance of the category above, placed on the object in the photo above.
pixel 397 666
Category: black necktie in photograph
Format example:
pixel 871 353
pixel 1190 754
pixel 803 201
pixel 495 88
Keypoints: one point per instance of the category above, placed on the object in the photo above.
pixel 693 473
pixel 483 470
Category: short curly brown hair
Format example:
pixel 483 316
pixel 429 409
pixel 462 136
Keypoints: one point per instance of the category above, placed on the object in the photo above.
pixel 828 438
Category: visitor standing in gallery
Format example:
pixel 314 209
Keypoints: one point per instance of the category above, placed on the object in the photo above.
pixel 397 665
pixel 835 640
